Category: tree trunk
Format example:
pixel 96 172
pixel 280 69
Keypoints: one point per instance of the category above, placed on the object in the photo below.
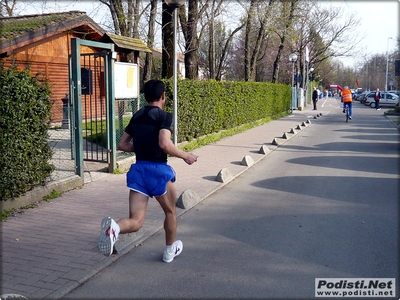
pixel 211 46
pixel 282 37
pixel 148 65
pixel 189 29
pixel 168 41
pixel 247 41
pixel 218 77
pixel 191 42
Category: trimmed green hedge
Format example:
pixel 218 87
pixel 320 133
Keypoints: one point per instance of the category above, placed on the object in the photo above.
pixel 25 110
pixel 206 107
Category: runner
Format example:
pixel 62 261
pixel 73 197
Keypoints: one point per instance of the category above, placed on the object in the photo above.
pixel 150 129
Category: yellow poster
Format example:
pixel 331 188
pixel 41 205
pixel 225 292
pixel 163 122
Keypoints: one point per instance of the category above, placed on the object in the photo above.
pixel 130 77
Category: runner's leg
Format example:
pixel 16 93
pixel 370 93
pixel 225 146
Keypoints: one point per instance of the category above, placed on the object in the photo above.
pixel 137 213
pixel 168 202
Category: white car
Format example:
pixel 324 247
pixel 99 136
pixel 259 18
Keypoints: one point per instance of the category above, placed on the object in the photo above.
pixel 388 99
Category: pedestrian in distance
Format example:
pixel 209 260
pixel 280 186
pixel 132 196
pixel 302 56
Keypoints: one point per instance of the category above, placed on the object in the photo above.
pixel 315 98
pixel 347 100
pixel 148 134
pixel 377 98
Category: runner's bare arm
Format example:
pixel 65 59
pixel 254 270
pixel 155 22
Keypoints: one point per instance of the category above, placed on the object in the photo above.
pixel 125 144
pixel 165 143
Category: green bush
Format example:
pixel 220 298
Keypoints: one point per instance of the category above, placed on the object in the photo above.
pixel 206 107
pixel 25 110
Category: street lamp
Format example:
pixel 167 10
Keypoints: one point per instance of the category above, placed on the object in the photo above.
pixel 387 63
pixel 293 59
pixel 175 4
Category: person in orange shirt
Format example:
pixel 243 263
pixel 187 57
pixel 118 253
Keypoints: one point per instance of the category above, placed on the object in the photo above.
pixel 347 100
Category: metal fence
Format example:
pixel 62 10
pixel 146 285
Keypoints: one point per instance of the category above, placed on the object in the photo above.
pixel 125 109
pixel 61 142
pixel 61 138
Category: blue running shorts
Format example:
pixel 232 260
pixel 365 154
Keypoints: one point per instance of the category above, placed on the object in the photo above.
pixel 150 178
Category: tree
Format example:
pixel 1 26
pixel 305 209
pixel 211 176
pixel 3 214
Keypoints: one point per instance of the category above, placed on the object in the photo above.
pixel 125 16
pixel 284 24
pixel 7 8
pixel 189 24
pixel 148 65
pixel 167 40
pixel 247 43
pixel 215 46
pixel 327 36
pixel 256 36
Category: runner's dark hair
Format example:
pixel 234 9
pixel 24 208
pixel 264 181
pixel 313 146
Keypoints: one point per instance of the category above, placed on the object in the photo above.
pixel 153 89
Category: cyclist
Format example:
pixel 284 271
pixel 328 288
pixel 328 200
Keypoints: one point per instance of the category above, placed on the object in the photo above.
pixel 347 100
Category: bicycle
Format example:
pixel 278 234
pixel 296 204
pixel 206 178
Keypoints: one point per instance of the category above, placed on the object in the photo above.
pixel 346 110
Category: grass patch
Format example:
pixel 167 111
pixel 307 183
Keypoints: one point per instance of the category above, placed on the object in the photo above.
pixel 99 135
pixel 12 212
pixel 6 213
pixel 214 137
pixel 118 171
pixel 53 195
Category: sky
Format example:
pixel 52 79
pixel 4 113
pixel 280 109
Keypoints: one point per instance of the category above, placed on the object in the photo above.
pixel 379 20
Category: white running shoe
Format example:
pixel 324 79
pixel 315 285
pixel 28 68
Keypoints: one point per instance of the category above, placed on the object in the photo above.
pixel 108 236
pixel 177 249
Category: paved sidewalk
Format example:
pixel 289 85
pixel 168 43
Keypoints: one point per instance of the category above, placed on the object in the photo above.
pixel 50 250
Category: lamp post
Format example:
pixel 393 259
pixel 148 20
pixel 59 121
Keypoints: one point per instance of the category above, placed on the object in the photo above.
pixel 175 4
pixel 292 58
pixel 387 63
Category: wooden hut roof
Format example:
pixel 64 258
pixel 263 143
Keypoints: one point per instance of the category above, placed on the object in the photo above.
pixel 125 43
pixel 16 32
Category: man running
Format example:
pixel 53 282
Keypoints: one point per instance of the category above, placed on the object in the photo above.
pixel 150 129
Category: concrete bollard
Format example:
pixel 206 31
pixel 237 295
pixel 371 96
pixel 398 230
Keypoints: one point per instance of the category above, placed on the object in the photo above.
pixel 263 150
pixel 187 199
pixel 277 142
pixel 224 175
pixel 247 161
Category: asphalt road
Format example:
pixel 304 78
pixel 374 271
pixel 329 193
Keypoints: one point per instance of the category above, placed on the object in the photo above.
pixel 323 205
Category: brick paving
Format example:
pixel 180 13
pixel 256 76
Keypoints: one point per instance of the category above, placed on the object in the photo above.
pixel 51 249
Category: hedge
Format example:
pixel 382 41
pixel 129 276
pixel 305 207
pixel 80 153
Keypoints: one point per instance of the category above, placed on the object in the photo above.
pixel 206 107
pixel 25 110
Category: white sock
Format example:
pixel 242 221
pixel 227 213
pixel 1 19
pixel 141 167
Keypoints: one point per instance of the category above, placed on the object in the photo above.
pixel 170 248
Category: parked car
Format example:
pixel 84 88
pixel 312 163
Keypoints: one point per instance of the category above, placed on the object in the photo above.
pixel 360 96
pixel 364 96
pixel 388 99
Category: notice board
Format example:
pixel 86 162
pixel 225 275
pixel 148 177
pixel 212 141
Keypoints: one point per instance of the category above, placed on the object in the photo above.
pixel 126 80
